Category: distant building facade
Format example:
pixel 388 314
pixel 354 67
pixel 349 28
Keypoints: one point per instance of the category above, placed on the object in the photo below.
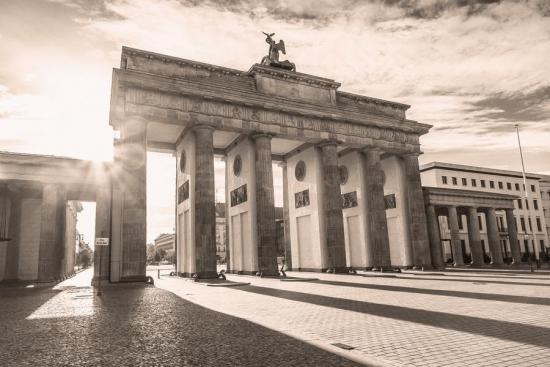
pixel 530 217
pixel 544 184
pixel 166 242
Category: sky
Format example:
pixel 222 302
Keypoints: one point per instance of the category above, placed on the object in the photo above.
pixel 472 69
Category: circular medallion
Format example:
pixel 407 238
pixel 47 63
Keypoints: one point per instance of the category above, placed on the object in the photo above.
pixel 300 171
pixel 237 165
pixel 183 159
pixel 344 174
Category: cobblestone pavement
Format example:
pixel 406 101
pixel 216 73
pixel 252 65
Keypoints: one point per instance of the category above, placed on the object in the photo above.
pixel 137 325
pixel 454 318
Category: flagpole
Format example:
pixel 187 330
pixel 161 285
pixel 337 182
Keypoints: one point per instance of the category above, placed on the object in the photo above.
pixel 532 225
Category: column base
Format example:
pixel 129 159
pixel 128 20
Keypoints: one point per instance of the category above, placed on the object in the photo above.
pixel 424 267
pixel 383 269
pixel 205 275
pixel 241 272
pixel 338 270
pixel 133 278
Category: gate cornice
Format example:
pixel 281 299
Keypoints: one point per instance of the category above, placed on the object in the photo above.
pixel 157 91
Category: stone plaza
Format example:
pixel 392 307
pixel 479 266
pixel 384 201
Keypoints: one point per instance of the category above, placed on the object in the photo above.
pixel 452 318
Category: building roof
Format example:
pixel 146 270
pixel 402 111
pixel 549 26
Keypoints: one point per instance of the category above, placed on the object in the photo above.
pixel 458 197
pixel 475 169
pixel 163 236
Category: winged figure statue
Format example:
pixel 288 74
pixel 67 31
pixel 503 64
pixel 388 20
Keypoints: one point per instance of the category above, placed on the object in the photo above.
pixel 272 59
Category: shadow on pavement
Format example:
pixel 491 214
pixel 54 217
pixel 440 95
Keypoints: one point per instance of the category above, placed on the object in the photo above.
pixel 446 279
pixel 505 330
pixel 137 325
pixel 487 276
pixel 442 292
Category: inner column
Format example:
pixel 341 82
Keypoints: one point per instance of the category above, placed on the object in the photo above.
pixel 265 206
pixel 492 234
pixel 419 232
pixel 456 247
pixel 205 212
pixel 513 236
pixel 378 246
pixel 334 221
pixel 435 237
pixel 474 237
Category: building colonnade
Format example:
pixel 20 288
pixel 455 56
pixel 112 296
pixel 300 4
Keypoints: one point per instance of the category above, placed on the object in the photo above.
pixel 444 202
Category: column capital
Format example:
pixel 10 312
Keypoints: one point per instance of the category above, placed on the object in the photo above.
pixel 372 152
pixel 327 142
pixel 282 164
pixel 259 134
pixel 202 127
pixel 411 154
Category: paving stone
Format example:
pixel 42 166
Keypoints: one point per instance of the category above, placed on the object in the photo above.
pixel 137 325
pixel 404 320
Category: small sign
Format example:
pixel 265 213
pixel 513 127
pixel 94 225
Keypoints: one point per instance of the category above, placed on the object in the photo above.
pixel 102 241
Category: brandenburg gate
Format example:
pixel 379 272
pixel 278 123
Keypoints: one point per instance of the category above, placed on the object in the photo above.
pixel 352 191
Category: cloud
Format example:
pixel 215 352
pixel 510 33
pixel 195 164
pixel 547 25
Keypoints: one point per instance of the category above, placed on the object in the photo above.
pixel 470 68
pixel 518 106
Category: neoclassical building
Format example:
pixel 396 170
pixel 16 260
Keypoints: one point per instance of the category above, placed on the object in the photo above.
pixel 482 213
pixel 39 202
pixel 352 191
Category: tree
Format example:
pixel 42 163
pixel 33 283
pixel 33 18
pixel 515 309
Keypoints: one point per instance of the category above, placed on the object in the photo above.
pixel 150 253
pixel 85 255
pixel 160 254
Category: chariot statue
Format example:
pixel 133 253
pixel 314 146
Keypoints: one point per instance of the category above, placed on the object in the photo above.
pixel 272 59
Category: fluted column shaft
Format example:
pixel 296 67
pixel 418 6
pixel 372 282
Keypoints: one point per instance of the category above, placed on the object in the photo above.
pixel 52 231
pixel 435 238
pixel 205 212
pixel 102 230
pixel 286 218
pixel 458 259
pixel 378 246
pixel 474 237
pixel 513 236
pixel 131 157
pixel 265 206
pixel 334 221
pixel 418 223
pixel 494 240
pixel 12 250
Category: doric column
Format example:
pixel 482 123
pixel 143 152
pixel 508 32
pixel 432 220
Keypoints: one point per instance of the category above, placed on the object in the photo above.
pixel 102 230
pixel 474 237
pixel 378 246
pixel 435 237
pixel 492 234
pixel 227 217
pixel 205 211
pixel 513 236
pixel 12 250
pixel 52 229
pixel 286 217
pixel 418 226
pixel 334 220
pixel 265 206
pixel 455 239
pixel 132 180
